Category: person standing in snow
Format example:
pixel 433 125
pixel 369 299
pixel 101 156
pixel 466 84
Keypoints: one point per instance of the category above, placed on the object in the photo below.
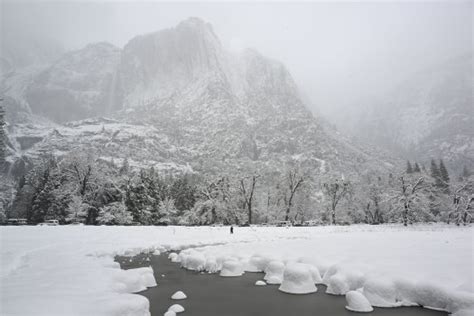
pixel 231 229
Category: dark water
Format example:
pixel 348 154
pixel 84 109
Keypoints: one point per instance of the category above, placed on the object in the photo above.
pixel 210 294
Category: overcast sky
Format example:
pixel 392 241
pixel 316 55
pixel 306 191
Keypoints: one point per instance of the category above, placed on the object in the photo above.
pixel 338 52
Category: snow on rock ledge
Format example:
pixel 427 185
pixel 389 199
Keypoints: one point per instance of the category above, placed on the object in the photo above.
pixel 297 279
pixel 356 302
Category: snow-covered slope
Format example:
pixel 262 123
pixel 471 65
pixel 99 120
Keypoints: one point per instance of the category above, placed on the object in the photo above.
pixel 431 115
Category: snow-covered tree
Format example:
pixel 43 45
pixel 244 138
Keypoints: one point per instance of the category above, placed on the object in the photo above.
pixel 167 212
pixel 410 198
pixel 77 210
pixel 416 168
pixel 463 203
pixel 114 214
pixel 3 136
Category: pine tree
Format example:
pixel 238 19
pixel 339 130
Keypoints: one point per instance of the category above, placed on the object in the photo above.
pixel 444 175
pixel 435 174
pixel 416 168
pixel 465 174
pixel 409 168
pixel 3 142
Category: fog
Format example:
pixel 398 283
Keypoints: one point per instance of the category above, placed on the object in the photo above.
pixel 338 52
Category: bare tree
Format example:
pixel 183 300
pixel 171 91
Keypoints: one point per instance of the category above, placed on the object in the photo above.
pixel 294 180
pixel 407 195
pixel 336 190
pixel 247 192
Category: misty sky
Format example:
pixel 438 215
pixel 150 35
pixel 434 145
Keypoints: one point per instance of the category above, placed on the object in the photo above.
pixel 338 52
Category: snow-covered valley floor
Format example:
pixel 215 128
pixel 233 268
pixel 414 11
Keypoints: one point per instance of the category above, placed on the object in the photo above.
pixel 70 270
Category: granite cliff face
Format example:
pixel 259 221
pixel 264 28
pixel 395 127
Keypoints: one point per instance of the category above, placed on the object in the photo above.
pixel 177 98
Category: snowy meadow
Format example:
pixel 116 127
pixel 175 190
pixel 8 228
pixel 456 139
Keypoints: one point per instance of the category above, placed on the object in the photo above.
pixel 70 270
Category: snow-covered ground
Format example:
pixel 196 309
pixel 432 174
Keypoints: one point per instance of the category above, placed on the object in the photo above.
pixel 70 270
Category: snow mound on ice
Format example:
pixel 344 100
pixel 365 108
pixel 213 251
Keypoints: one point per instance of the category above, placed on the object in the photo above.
pixel 192 260
pixel 297 279
pixel 179 296
pixel 176 308
pixel 174 257
pixel 169 313
pixel 274 272
pixel 232 268
pixel 341 279
pixel 318 263
pixel 260 283
pixel 314 273
pixel 258 263
pixel 357 302
pixel 133 280
pixel 212 265
pixel 380 292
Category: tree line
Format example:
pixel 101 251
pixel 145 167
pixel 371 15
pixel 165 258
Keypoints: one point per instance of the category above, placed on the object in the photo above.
pixel 81 188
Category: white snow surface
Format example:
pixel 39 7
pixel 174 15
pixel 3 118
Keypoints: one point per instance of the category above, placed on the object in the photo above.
pixel 70 270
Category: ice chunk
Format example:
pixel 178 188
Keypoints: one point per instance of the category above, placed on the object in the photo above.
pixel 179 296
pixel 274 272
pixel 176 308
pixel 260 283
pixel 297 279
pixel 357 302
pixel 169 313
pixel 232 268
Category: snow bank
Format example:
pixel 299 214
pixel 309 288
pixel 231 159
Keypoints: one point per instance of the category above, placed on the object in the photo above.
pixel 297 279
pixel 427 265
pixel 357 302
pixel 70 270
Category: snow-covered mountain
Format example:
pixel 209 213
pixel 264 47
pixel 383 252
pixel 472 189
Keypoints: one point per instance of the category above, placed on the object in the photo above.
pixel 178 99
pixel 80 84
pixel 430 115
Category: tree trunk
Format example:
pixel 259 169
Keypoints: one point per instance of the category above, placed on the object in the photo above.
pixel 250 211
pixel 334 216
pixel 405 214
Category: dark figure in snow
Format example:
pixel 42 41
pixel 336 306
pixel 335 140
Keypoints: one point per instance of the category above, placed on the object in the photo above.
pixel 231 229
